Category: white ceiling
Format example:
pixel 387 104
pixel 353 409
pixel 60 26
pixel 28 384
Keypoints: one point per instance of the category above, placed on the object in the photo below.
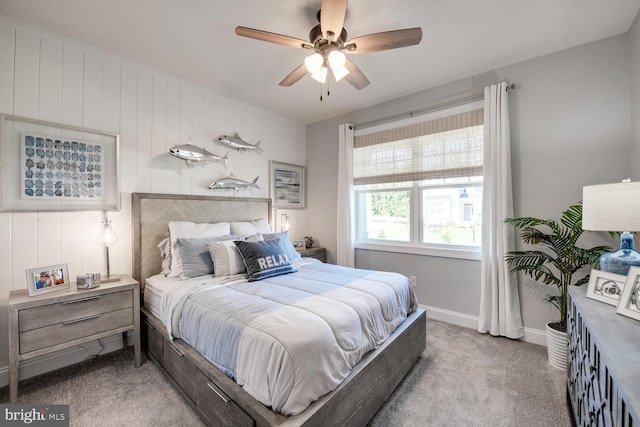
pixel 195 40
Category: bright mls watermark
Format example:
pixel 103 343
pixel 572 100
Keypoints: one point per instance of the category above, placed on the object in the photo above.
pixel 34 415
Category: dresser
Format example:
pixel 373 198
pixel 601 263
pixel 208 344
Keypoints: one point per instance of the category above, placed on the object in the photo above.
pixel 46 323
pixel 603 372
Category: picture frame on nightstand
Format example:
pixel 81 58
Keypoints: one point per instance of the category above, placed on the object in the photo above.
pixel 42 280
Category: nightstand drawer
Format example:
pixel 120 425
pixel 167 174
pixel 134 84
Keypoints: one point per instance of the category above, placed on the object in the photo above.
pixel 79 308
pixel 59 333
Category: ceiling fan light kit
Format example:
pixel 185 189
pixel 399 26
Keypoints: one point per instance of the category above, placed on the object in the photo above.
pixel 329 50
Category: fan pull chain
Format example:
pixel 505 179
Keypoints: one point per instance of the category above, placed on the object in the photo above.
pixel 320 92
pixel 328 86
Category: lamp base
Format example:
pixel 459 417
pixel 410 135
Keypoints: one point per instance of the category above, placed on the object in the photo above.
pixel 109 279
pixel 621 260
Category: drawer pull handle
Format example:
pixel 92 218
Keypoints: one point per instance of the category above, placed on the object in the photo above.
pixel 220 394
pixel 80 300
pixel 181 354
pixel 82 319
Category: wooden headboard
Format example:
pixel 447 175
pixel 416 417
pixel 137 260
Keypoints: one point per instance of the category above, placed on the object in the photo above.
pixel 152 213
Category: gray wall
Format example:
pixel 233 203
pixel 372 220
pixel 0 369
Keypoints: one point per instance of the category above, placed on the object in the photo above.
pixel 570 127
pixel 634 47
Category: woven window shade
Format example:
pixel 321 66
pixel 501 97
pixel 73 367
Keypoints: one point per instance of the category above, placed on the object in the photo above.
pixel 442 148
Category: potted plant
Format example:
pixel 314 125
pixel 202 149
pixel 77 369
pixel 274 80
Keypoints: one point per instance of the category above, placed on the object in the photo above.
pixel 556 266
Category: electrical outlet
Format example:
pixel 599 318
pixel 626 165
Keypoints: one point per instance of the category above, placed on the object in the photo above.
pixel 412 279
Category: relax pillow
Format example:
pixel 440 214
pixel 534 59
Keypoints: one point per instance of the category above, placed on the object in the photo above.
pixel 196 260
pixel 264 259
pixel 247 228
pixel 226 258
pixel 285 242
pixel 187 230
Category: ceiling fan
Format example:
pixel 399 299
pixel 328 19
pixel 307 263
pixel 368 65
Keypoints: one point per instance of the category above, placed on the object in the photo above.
pixel 328 42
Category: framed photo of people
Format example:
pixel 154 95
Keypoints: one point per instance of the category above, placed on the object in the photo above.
pixel 53 167
pixel 41 280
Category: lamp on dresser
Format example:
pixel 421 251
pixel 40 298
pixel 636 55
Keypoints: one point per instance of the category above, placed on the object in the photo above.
pixel 614 207
pixel 107 237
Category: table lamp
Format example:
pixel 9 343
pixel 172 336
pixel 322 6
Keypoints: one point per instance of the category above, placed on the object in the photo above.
pixel 616 208
pixel 107 237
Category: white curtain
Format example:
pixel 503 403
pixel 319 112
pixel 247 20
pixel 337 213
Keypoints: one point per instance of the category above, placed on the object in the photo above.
pixel 346 209
pixel 499 300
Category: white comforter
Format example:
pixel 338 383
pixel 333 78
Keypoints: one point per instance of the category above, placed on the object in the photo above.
pixel 288 340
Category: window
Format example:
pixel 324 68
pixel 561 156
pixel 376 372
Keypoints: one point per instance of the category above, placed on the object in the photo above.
pixel 419 186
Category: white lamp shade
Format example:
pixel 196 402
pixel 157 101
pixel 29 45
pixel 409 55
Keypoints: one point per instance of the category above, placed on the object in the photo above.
pixel 340 73
pixel 611 207
pixel 320 75
pixel 337 60
pixel 313 63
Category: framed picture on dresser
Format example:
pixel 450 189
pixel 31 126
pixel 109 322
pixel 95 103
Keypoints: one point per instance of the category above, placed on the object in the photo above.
pixel 605 287
pixel 629 304
pixel 41 280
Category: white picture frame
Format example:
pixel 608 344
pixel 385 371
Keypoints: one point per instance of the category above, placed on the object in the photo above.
pixel 53 167
pixel 42 280
pixel 629 304
pixel 605 287
pixel 287 182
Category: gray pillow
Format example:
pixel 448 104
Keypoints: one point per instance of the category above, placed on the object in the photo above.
pixel 284 242
pixel 196 260
pixel 264 259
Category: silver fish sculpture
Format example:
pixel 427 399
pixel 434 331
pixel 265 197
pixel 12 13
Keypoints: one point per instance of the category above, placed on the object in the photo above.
pixel 193 154
pixel 234 141
pixel 232 182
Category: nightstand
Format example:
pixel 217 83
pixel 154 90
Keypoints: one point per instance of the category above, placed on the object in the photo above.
pixel 317 253
pixel 54 321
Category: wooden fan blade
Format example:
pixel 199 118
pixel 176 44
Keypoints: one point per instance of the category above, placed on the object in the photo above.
pixel 271 37
pixel 332 13
pixel 294 76
pixel 355 76
pixel 385 40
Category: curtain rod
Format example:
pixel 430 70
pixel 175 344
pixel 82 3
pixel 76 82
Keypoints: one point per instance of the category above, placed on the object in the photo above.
pixel 425 110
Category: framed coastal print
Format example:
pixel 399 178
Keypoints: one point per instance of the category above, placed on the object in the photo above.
pixel 41 280
pixel 53 167
pixel 605 287
pixel 287 185
pixel 629 304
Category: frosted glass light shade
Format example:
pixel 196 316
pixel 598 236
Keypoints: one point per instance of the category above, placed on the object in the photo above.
pixel 611 207
pixel 340 73
pixel 313 63
pixel 337 60
pixel 320 75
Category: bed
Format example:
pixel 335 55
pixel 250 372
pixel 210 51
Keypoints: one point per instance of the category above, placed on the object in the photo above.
pixel 214 395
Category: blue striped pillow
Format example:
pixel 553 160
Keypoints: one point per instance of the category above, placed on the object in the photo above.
pixel 264 259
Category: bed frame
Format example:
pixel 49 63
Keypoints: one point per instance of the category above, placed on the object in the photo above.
pixel 216 398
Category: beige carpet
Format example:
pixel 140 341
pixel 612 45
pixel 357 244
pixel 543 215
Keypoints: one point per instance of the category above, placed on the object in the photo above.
pixel 462 379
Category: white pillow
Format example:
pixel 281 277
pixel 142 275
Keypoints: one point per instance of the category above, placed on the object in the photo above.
pixel 184 229
pixel 247 228
pixel 165 254
pixel 226 257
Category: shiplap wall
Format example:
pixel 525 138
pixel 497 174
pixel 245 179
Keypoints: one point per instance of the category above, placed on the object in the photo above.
pixel 49 78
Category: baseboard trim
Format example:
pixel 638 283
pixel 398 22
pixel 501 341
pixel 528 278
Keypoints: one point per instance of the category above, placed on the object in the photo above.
pixel 531 335
pixel 60 359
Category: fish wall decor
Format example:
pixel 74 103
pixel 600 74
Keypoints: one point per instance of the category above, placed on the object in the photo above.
pixel 232 182
pixel 193 154
pixel 234 141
